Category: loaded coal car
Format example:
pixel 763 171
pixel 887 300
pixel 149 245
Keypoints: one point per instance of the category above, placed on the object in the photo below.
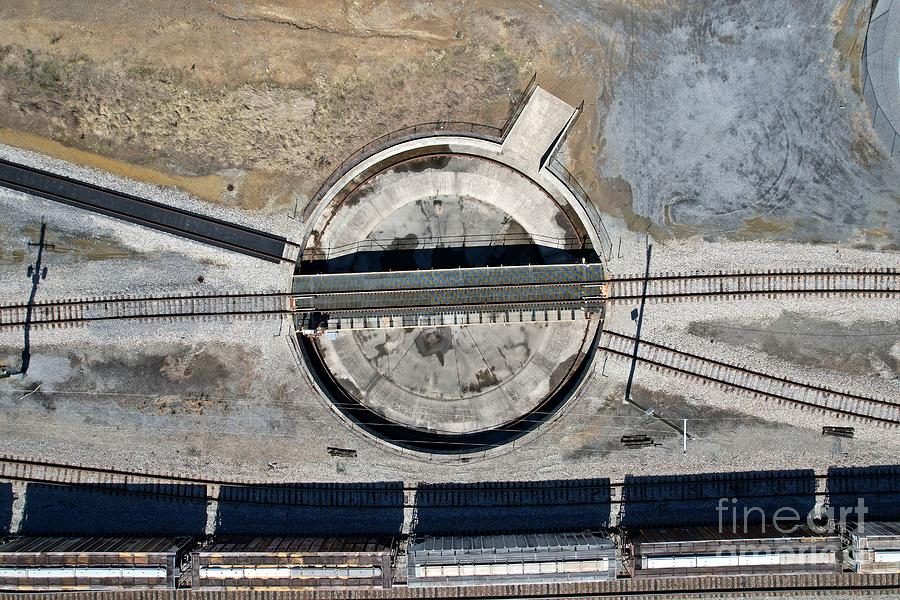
pixel 91 563
pixel 873 546
pixel 711 551
pixel 507 559
pixel 292 562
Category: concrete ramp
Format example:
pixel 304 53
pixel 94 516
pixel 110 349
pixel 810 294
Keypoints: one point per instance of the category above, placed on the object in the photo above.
pixel 542 122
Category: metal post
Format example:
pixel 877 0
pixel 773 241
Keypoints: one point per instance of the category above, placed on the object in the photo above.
pixel 684 438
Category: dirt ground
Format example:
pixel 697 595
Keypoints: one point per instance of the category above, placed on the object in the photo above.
pixel 262 98
pixel 252 104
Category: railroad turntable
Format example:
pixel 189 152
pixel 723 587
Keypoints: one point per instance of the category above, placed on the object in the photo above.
pixel 450 290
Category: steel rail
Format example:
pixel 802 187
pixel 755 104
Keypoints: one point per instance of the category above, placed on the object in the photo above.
pixel 174 315
pixel 129 298
pixel 746 284
pixel 720 586
pixel 443 288
pixel 725 274
pixel 745 477
pixel 157 307
pixel 710 370
pixel 610 281
pixel 13 315
pixel 750 293
pixel 451 308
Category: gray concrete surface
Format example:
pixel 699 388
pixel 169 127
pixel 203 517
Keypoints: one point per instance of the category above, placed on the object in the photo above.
pixel 516 172
pixel 742 119
pixel 418 196
pixel 228 399
pixel 536 130
pixel 457 379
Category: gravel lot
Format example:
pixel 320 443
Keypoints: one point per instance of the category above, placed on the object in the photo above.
pixel 200 397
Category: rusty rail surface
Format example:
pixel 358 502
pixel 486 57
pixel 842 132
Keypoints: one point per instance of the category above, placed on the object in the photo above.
pixel 16 468
pixel 661 287
pixel 104 308
pixel 744 284
pixel 716 586
pixel 756 383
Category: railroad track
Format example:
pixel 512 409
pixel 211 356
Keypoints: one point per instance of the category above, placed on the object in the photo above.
pixel 453 308
pixel 68 312
pixel 667 287
pixel 708 370
pixel 673 287
pixel 717 587
pixel 447 298
pixel 170 219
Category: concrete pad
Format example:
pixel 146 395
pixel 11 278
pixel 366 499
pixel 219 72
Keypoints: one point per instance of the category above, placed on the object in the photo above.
pixel 454 379
pixel 454 371
pixel 881 64
pixel 384 202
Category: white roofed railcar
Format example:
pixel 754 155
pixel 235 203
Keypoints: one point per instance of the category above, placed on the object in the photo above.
pixel 283 563
pixel 91 563
pixel 756 550
pixel 874 547
pixel 504 559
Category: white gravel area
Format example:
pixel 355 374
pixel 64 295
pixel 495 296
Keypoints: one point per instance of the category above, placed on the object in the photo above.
pixel 705 395
pixel 697 254
pixel 668 323
pixel 161 263
pixel 114 407
pixel 275 417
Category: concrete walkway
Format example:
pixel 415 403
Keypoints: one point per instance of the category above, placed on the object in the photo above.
pixel 170 219
pixel 881 67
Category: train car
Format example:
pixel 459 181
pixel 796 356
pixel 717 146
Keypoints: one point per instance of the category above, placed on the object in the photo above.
pixel 292 562
pixel 756 550
pixel 873 547
pixel 500 559
pixel 91 563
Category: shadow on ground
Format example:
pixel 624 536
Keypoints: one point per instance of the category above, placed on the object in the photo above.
pixel 6 500
pixel 134 509
pixel 447 258
pixel 882 495
pixel 311 509
pixel 512 507
pixel 686 500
